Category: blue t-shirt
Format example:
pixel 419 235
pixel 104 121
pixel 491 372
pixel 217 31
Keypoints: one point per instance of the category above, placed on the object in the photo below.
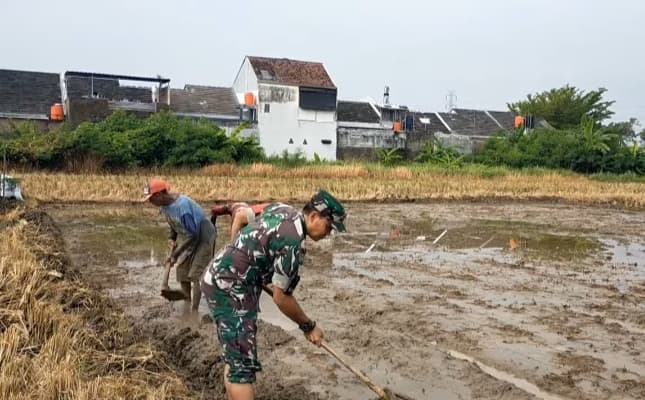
pixel 184 216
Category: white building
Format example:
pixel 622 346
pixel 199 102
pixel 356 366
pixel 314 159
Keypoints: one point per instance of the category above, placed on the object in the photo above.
pixel 294 103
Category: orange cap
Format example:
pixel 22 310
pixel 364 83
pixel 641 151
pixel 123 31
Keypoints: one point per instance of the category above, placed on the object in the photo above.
pixel 154 186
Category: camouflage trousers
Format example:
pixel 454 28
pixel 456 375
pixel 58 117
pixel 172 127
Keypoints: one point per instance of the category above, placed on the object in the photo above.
pixel 235 312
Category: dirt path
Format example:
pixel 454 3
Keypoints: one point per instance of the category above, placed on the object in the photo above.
pixel 545 301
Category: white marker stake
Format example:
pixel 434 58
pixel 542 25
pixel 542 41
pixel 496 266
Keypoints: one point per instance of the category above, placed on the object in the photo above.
pixel 370 248
pixel 440 236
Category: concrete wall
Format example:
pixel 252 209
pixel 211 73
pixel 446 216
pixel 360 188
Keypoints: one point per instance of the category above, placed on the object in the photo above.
pixel 362 142
pixel 364 137
pixel 87 110
pixel 416 143
pixel 281 121
pixel 465 144
pixel 357 154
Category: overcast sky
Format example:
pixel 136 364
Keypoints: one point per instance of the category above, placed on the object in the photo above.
pixel 489 52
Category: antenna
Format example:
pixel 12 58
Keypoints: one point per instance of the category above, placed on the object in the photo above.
pixel 451 100
pixel 386 96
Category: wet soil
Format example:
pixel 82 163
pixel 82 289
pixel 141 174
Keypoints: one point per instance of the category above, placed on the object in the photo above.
pixel 514 301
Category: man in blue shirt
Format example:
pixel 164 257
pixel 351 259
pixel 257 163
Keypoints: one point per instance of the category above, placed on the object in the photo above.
pixel 191 236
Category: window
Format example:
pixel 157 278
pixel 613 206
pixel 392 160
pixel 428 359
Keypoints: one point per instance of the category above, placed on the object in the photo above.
pixel 304 142
pixel 291 141
pixel 267 108
pixel 325 141
pixel 317 99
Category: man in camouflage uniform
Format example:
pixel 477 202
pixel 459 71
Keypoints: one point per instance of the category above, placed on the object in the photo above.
pixel 268 250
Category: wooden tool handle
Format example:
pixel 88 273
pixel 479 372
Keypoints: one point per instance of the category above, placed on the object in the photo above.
pixel 377 389
pixel 166 274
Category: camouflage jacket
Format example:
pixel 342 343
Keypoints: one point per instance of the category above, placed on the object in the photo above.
pixel 269 249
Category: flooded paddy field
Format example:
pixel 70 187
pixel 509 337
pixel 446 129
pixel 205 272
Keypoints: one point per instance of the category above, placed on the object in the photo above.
pixel 435 301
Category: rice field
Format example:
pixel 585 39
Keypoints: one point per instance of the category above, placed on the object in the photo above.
pixel 355 182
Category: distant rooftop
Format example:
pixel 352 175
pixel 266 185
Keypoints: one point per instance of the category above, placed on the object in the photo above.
pixel 197 99
pixel 26 94
pixel 291 72
pixel 356 111
pixel 99 75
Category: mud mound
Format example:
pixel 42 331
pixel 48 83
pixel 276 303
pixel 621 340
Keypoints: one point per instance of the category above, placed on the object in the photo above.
pixel 7 205
pixel 194 354
pixel 48 242
pixel 60 338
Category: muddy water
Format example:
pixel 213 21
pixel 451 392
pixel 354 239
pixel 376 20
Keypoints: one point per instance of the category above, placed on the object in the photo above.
pixel 542 301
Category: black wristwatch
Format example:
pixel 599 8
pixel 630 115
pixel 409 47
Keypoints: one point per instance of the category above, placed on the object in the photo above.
pixel 307 326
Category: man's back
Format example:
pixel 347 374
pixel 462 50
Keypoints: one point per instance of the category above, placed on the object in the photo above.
pixel 184 214
pixel 270 244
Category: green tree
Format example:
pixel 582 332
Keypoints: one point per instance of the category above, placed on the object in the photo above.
pixel 594 140
pixel 198 143
pixel 625 132
pixel 564 108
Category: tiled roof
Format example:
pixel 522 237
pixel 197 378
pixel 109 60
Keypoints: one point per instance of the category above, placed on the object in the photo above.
pixel 505 118
pixel 427 122
pixel 291 72
pixel 470 122
pixel 25 92
pixel 205 100
pixel 356 111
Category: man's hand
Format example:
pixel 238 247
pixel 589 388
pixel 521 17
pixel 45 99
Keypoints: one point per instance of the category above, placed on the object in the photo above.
pixel 316 336
pixel 290 307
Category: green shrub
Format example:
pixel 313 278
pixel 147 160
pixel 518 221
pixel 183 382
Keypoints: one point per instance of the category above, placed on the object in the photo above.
pixel 123 141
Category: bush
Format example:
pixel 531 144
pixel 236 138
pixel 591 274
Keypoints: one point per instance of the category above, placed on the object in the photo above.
pixel 122 141
pixel 586 149
pixel 287 159
pixel 389 157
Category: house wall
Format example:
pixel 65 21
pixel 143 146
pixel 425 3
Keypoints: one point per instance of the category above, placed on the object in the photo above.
pixel 286 121
pixel 245 81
